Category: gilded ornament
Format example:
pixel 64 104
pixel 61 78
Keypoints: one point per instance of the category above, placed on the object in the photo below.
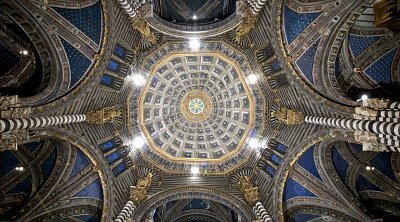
pixel 288 116
pixel 139 23
pixel 251 193
pixel 196 106
pixel 248 22
pixel 138 193
pixel 369 141
pixel 103 115
pixel 365 111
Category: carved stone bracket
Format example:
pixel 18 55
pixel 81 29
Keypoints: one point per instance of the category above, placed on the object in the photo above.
pixel 9 140
pixel 10 108
pixel 376 103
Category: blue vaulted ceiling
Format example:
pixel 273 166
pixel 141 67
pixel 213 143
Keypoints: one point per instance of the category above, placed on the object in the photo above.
pixel 307 162
pixel 182 11
pixel 294 189
pixel 359 43
pixel 78 62
pixel 295 23
pixel 197 204
pixel 88 20
pixel 303 217
pixel 27 185
pixel 306 61
pixel 381 70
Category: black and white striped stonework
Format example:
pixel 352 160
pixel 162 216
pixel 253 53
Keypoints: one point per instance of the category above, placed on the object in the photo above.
pixel 37 122
pixel 391 141
pixel 256 5
pixel 377 118
pixel 132 7
pixel 355 124
pixel 389 113
pixel 126 212
pixel 394 105
pixel 261 212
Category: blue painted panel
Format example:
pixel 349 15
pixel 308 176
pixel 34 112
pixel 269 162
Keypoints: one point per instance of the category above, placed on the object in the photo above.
pixel 106 146
pixel 94 190
pixel 8 162
pixel 363 184
pixel 119 169
pixel 382 163
pixel 171 204
pixel 295 23
pixel 306 61
pixel 270 170
pixel 24 186
pixel 303 217
pixel 48 165
pixel 107 80
pixel 88 20
pixel 340 164
pixel 276 66
pixel 307 162
pixel 294 189
pixel 113 65
pixel 78 63
pixel 359 44
pixel 276 159
pixel 88 218
pixel 381 69
pixel 32 147
pixel 197 204
pixel 281 148
pixel 113 157
pixel 81 162
pixel 119 51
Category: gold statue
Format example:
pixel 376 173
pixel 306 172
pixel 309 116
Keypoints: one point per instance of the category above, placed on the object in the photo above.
pixel 139 23
pixel 139 192
pixel 288 116
pixel 248 22
pixel 103 115
pixel 251 193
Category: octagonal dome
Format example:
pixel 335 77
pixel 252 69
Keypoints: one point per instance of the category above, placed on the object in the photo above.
pixel 196 107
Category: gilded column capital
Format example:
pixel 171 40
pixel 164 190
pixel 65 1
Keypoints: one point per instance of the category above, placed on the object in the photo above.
pixel 103 115
pixel 138 193
pixel 250 193
pixel 369 141
pixel 288 116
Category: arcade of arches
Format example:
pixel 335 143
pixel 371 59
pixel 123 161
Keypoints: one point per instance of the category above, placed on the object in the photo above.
pixel 200 110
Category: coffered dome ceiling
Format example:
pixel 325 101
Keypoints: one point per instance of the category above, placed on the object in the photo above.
pixel 197 107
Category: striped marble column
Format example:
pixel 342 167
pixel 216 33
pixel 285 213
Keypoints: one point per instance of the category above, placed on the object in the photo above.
pixel 7 125
pixel 126 212
pixel 261 212
pixel 391 141
pixel 389 113
pixel 377 127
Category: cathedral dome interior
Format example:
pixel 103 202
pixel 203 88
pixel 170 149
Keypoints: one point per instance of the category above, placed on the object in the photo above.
pixel 200 110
